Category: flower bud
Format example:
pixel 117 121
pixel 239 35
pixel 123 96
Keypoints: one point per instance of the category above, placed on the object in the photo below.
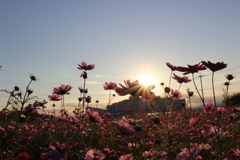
pixel 167 90
pixel 230 77
pixel 16 88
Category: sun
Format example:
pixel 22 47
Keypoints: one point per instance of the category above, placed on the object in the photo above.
pixel 146 80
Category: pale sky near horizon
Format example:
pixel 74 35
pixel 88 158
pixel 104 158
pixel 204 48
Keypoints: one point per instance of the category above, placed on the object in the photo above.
pixel 124 39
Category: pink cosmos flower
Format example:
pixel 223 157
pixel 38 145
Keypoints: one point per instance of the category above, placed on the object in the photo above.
pixel 126 157
pixel 193 121
pixel 189 154
pixel 176 94
pixel 110 85
pixel 54 97
pixel 220 110
pixel 237 153
pixel 63 89
pixel 93 116
pixel 94 154
pixel 214 66
pixel 125 128
pixel 136 89
pixel 214 130
pixel 192 68
pixel 59 150
pixel 85 67
pixel 173 68
pixel 207 107
pixel 131 121
pixel 180 80
pixel 23 156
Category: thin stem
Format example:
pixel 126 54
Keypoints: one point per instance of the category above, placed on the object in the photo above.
pixel 170 79
pixel 201 87
pixel 179 86
pixel 197 90
pixel 213 90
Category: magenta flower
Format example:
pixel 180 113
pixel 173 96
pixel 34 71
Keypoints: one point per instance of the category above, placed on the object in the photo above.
pixel 173 68
pixel 23 156
pixel 207 107
pixel 94 154
pixel 220 110
pixel 54 97
pixel 189 154
pixel 93 116
pixel 110 85
pixel 131 121
pixel 214 66
pixel 136 89
pixel 126 157
pixel 176 94
pixel 237 153
pixel 192 68
pixel 180 80
pixel 63 89
pixel 85 67
pixel 59 150
pixel 193 121
pixel 125 128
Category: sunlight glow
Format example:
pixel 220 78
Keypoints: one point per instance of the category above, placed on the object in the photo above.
pixel 146 79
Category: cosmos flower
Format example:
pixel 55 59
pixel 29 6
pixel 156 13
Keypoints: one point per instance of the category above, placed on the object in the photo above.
pixel 125 128
pixel 54 97
pixel 176 94
pixel 131 121
pixel 180 80
pixel 220 110
pixel 214 66
pixel 193 121
pixel 85 67
pixel 192 68
pixel 23 156
pixel 110 85
pixel 126 157
pixel 94 154
pixel 59 150
pixel 207 107
pixel 188 154
pixel 93 116
pixel 63 89
pixel 173 68
pixel 136 89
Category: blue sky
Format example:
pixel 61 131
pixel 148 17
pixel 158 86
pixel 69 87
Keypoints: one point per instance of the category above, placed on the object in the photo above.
pixel 124 39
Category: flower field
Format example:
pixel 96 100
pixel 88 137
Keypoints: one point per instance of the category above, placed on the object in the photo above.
pixel 212 133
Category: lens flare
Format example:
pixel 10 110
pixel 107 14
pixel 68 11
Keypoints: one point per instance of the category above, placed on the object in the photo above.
pixel 146 80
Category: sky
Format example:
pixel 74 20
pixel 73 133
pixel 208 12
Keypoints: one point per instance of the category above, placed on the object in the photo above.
pixel 124 39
